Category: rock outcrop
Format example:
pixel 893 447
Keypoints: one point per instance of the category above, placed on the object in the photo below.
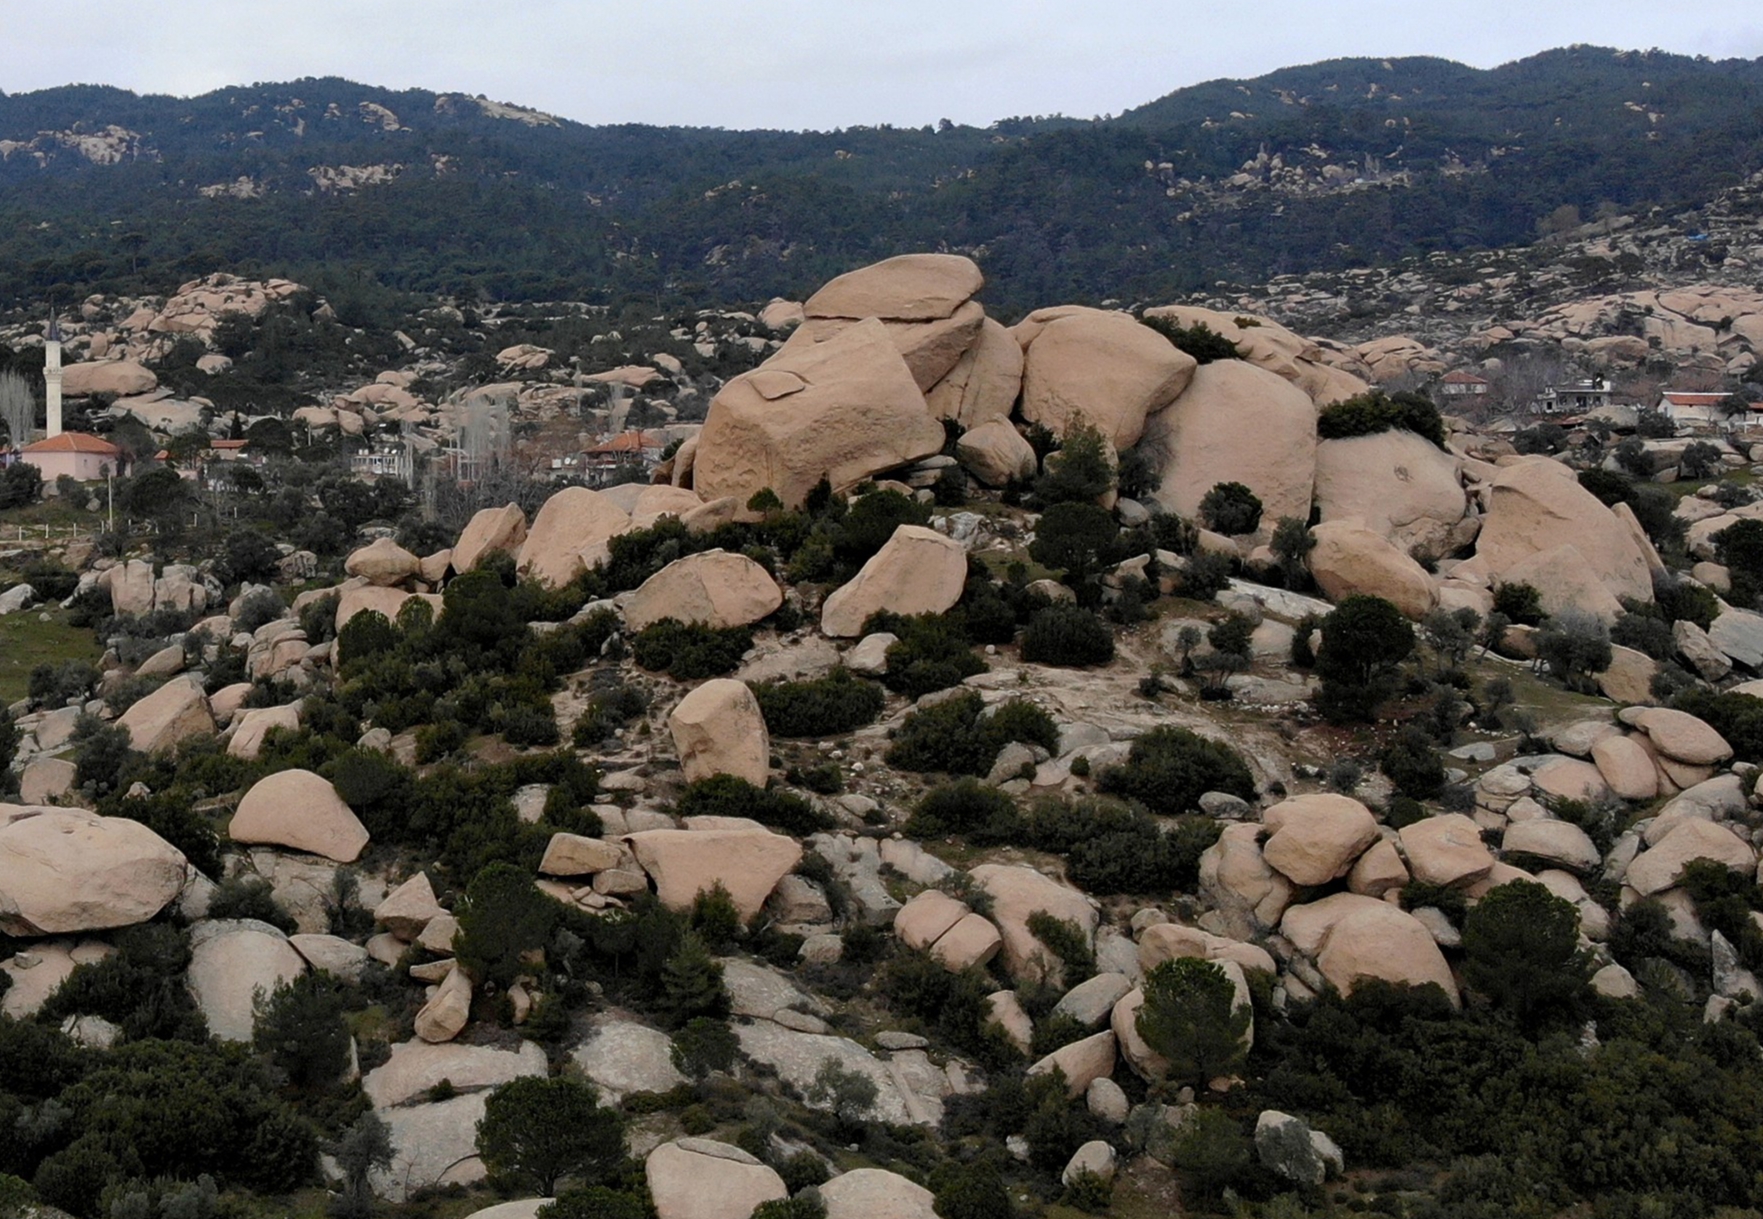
pixel 298 809
pixel 918 571
pixel 65 870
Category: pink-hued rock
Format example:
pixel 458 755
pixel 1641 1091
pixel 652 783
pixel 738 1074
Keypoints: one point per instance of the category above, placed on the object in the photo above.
pixel 684 863
pixel 918 571
pixel 490 530
pixel 1315 838
pixel 298 809
pixel 67 870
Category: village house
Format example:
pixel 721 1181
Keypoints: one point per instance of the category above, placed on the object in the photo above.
pixel 1574 398
pixel 74 455
pixel 1461 384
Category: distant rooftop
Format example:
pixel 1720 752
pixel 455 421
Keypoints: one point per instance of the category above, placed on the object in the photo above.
pixel 74 442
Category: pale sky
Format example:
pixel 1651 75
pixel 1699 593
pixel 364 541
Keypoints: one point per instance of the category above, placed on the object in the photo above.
pixel 809 63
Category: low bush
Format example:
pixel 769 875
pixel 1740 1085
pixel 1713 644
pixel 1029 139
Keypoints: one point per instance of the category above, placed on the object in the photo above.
pixel 1231 508
pixel 1168 769
pixel 690 651
pixel 931 653
pixel 956 737
pixel 1374 411
pixel 825 706
pixel 968 807
pixel 1199 340
pixel 606 713
pixel 728 796
pixel 1066 634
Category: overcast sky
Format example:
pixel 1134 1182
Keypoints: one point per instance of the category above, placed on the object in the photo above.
pixel 809 63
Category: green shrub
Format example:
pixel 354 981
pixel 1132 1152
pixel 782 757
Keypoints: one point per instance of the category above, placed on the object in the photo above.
pixel 705 1045
pixel 1413 765
pixel 139 987
pixel 607 712
pixel 1199 340
pixel 690 651
pixel 825 706
pixel 367 637
pixel 536 1131
pixel 1231 508
pixel 955 737
pixel 1064 634
pixel 1080 471
pixel 1374 411
pixel 1521 950
pixel 1190 1017
pixel 1168 769
pixel 1736 717
pixel 1519 603
pixel 1576 647
pixel 969 807
pixel 871 521
pixel 1206 574
pixel 502 918
pixel 729 796
pixel 300 1028
pixel 1077 538
pixel 55 685
pixel 1363 641
pixel 242 897
pixel 931 654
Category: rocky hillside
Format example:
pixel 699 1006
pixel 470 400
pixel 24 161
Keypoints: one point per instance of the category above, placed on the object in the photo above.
pixel 1343 164
pixel 1093 765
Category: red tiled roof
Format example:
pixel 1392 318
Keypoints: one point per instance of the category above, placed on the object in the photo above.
pixel 74 442
pixel 228 445
pixel 1679 397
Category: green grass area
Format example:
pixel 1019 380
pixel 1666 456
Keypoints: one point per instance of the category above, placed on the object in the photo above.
pixel 26 641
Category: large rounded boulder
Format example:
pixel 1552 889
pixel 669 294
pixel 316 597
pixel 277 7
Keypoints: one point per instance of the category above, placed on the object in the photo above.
pixel 842 409
pixel 1394 483
pixel 1236 423
pixel 918 571
pixel 298 809
pixel 65 869
pixel 718 730
pixel 1536 505
pixel 1100 367
pixel 712 587
pixel 1350 559
pixel 569 534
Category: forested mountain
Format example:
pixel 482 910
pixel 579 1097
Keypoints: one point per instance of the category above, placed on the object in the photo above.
pixel 1333 164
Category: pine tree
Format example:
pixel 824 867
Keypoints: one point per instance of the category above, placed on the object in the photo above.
pixel 1190 1017
pixel 691 983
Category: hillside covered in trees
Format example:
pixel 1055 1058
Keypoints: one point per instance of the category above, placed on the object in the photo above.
pixel 1334 164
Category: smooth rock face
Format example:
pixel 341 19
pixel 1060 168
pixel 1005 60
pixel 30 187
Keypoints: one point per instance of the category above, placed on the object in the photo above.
pixel 67 870
pixel 983 386
pixel 1536 505
pixel 623 1058
pixel 995 452
pixel 245 737
pixel 416 1066
pixel 175 712
pixel 1315 838
pixel 843 410
pixel 382 562
pixel 906 288
pixel 1266 344
pixel 1237 879
pixel 1236 423
pixel 1682 737
pixel 1446 850
pixel 718 730
pixel 1394 483
pixel 123 378
pixel 689 1184
pixel 1083 1062
pixel 1385 942
pixel 1559 842
pixel 231 961
pixel 572 525
pixel 444 1016
pixel 490 530
pixel 298 809
pixel 712 587
pixel 433 1144
pixel 918 571
pixel 1351 559
pixel 874 1193
pixel 1626 767
pixel 684 863
pixel 1017 893
pixel 576 855
pixel 1660 867
pixel 1104 367
pixel 409 908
